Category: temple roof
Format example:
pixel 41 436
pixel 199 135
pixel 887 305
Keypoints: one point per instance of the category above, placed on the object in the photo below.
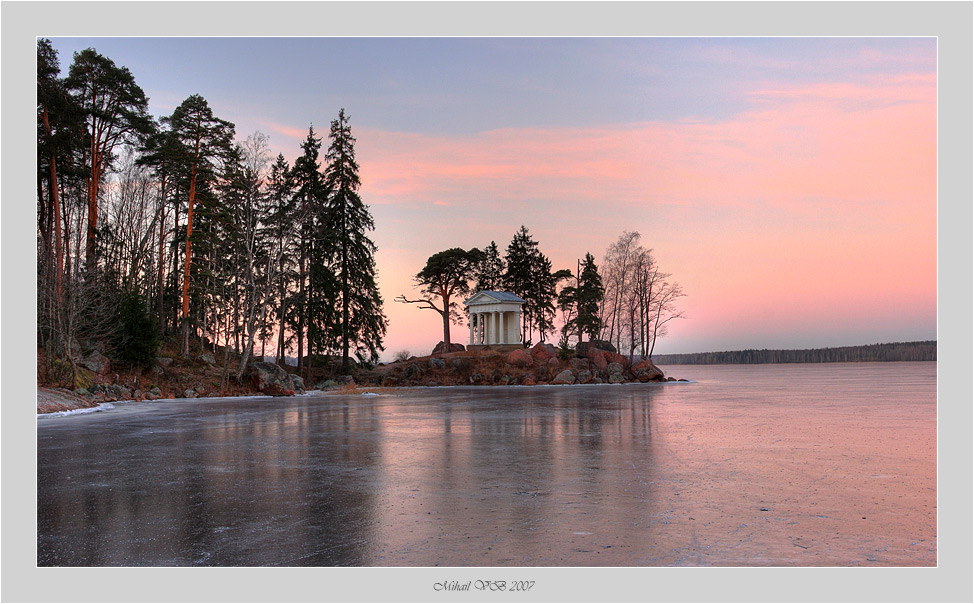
pixel 498 296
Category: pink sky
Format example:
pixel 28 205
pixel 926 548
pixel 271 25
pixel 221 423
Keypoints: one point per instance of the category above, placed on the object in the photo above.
pixel 809 220
pixel 788 184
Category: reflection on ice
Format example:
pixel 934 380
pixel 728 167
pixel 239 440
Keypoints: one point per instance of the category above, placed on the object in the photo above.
pixel 614 475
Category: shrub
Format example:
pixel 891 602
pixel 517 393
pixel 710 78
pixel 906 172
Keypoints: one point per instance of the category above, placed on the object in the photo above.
pixel 401 356
pixel 137 338
pixel 565 351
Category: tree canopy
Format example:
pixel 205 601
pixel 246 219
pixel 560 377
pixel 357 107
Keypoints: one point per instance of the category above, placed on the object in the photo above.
pixel 446 276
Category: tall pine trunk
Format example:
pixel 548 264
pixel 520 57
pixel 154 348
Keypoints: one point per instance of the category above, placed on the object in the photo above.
pixel 189 257
pixel 345 362
pixel 56 209
pixel 446 321
pixel 302 306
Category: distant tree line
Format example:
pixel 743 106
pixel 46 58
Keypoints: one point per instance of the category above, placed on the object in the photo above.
pixel 629 301
pixel 152 228
pixel 898 351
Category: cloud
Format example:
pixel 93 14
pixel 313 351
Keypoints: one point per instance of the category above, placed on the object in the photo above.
pixel 814 211
pixel 288 131
pixel 835 143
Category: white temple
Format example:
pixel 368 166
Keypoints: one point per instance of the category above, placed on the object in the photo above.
pixel 495 318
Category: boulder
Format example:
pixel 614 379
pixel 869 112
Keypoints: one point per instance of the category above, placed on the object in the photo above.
pixel 460 363
pixel 583 348
pixel 504 380
pixel 543 352
pixel 613 368
pixel 565 377
pixel 119 392
pixel 297 383
pixel 436 363
pixel 584 376
pixel 580 364
pixel 326 385
pixel 645 371
pixel 476 378
pixel 671 379
pixel 528 381
pixel 189 393
pixel 443 348
pixel 83 393
pixel 207 357
pixel 616 378
pixel 270 378
pixel 520 358
pixel 96 362
pixel 163 362
pixel 345 380
pixel 683 380
pixel 598 358
pixel 614 357
pixel 153 394
pixel 542 372
pixel 411 370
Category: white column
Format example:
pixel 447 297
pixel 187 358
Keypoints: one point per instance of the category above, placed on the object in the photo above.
pixel 497 327
pixel 518 317
pixel 471 327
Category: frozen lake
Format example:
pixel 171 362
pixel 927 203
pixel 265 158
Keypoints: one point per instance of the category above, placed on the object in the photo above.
pixel 831 464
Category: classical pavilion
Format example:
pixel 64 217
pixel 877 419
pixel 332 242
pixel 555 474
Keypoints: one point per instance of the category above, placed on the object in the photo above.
pixel 495 318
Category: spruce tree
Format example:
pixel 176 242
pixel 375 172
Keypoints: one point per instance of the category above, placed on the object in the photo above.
pixel 520 273
pixel 310 199
pixel 136 338
pixel 363 323
pixel 490 270
pixel 281 215
pixel 588 299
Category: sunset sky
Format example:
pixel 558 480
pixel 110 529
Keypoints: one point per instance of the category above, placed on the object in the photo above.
pixel 788 184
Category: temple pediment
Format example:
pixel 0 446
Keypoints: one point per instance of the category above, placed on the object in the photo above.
pixel 492 297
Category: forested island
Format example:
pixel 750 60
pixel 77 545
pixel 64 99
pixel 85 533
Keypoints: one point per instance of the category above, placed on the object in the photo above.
pixel 896 351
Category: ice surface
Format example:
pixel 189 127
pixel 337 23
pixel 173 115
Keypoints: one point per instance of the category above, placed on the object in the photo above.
pixel 101 407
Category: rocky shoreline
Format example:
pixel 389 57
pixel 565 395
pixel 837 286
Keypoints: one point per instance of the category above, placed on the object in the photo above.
pixel 591 363
pixel 201 376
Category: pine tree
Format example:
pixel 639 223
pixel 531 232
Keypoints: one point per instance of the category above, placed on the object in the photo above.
pixel 446 276
pixel 205 140
pixel 363 323
pixel 115 113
